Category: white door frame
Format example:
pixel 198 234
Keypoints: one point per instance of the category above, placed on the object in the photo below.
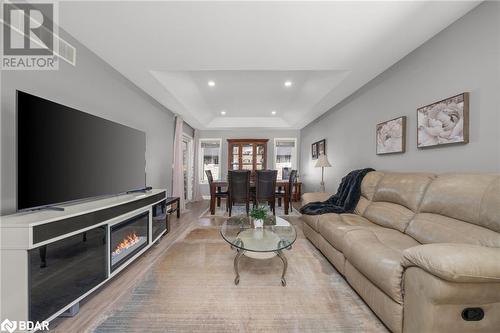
pixel 190 165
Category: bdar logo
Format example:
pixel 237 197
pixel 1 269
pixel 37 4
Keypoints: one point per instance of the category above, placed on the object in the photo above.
pixel 8 325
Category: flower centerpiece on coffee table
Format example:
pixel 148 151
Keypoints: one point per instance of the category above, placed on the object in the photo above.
pixel 258 214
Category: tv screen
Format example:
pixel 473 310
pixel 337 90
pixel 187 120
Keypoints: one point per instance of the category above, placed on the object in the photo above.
pixel 64 154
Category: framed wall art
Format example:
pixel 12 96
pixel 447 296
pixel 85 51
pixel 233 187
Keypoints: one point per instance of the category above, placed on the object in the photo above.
pixel 391 136
pixel 321 147
pixel 444 122
pixel 318 148
pixel 314 151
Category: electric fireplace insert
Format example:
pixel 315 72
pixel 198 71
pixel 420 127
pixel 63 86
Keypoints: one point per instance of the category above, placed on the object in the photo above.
pixel 128 238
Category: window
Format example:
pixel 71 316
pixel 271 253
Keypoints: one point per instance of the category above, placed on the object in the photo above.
pixel 210 150
pixel 285 156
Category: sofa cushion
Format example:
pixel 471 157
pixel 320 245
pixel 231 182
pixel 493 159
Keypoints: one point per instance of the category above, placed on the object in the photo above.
pixel 334 231
pixel 405 189
pixel 456 262
pixel 370 183
pixel 378 254
pixel 397 198
pixel 472 198
pixel 389 215
pixel 361 206
pixel 368 186
pixel 489 211
pixel 459 208
pixel 314 220
pixel 430 228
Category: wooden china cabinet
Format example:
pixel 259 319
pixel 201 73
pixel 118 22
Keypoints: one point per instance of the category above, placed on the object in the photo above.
pixel 247 154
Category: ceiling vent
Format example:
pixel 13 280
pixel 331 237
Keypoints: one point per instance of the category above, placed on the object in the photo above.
pixel 66 51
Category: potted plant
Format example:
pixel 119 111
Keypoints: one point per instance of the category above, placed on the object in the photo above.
pixel 258 214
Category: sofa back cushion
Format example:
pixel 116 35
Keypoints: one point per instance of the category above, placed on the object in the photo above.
pixel 396 199
pixel 368 186
pixel 459 208
pixel 427 228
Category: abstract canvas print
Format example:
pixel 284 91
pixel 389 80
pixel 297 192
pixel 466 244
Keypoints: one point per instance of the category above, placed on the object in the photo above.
pixel 391 136
pixel 444 122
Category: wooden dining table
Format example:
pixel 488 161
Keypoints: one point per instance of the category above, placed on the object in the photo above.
pixel 218 185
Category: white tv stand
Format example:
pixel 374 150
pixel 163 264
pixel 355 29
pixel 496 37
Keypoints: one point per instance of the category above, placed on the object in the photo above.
pixel 30 240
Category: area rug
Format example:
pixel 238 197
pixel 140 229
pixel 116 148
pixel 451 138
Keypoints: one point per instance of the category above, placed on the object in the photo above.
pixel 191 289
pixel 240 210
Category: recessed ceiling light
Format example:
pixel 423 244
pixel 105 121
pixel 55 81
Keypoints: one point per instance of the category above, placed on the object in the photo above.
pixel 211 83
pixel 223 113
pixel 288 83
pixel 273 112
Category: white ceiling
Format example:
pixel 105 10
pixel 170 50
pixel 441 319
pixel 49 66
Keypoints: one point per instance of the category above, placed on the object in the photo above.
pixel 249 49
pixel 244 94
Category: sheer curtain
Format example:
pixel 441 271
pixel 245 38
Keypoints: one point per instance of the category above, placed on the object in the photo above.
pixel 177 168
pixel 196 170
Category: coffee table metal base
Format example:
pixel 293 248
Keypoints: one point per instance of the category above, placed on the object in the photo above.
pixel 240 253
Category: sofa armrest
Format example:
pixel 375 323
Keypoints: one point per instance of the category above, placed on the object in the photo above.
pixel 456 262
pixel 314 196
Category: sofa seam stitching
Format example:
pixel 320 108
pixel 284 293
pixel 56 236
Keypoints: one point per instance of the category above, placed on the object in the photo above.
pixel 417 211
pixel 482 199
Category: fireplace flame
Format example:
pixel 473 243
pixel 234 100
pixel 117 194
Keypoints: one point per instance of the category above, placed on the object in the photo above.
pixel 128 242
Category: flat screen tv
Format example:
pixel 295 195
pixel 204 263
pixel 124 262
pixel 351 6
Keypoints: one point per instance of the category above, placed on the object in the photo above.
pixel 65 154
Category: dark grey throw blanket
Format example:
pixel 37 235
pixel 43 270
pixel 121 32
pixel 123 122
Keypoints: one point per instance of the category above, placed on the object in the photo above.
pixel 346 198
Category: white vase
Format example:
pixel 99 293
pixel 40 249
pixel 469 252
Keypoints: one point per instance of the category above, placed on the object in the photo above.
pixel 258 223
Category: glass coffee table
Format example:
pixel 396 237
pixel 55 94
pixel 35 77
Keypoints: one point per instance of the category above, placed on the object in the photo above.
pixel 276 235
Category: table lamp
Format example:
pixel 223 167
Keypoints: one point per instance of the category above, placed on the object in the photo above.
pixel 322 163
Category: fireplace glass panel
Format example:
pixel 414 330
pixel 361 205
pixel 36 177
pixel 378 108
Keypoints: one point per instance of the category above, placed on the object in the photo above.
pixel 64 270
pixel 128 238
pixel 159 219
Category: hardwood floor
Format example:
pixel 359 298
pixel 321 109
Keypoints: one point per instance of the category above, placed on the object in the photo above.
pixel 185 284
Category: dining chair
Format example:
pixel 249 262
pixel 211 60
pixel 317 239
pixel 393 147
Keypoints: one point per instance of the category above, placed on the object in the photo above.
pixel 265 187
pixel 239 188
pixel 292 178
pixel 215 194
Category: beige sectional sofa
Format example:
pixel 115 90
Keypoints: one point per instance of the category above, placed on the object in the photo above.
pixel 419 249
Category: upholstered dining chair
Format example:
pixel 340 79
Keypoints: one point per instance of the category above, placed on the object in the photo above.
pixel 265 187
pixel 239 188
pixel 215 193
pixel 292 178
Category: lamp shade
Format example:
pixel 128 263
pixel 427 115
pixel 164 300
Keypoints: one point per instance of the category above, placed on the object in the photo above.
pixel 322 162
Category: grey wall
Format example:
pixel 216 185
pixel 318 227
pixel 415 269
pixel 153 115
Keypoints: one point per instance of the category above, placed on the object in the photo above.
pixel 94 87
pixel 463 57
pixel 248 134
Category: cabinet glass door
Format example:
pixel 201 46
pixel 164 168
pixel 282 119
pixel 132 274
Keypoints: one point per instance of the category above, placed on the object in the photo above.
pixel 247 156
pixel 235 157
pixel 260 157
